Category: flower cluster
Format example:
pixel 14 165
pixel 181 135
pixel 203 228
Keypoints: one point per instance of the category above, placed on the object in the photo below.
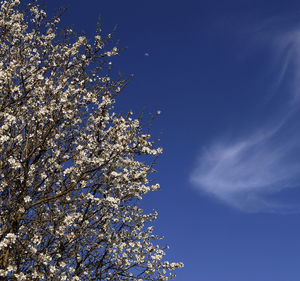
pixel 72 171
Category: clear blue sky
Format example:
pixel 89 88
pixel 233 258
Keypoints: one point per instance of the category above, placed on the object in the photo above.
pixel 226 76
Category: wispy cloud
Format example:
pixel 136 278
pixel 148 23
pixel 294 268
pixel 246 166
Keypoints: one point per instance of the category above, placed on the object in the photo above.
pixel 287 47
pixel 249 171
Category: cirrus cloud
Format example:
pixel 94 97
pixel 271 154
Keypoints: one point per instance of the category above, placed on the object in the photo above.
pixel 249 171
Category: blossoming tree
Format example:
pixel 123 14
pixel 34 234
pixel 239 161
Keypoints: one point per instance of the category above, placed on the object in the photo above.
pixel 71 170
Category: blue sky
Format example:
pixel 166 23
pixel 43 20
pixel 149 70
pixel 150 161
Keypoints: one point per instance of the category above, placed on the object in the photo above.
pixel 226 77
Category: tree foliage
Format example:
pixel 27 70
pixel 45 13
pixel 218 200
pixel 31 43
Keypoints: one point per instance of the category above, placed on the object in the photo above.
pixel 72 171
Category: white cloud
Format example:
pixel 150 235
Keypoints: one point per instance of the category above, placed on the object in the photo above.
pixel 243 173
pixel 249 171
pixel 287 48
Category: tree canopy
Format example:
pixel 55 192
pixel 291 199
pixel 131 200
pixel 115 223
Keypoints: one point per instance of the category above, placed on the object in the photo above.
pixel 72 170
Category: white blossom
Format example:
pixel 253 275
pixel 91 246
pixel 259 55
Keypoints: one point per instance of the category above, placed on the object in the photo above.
pixel 27 199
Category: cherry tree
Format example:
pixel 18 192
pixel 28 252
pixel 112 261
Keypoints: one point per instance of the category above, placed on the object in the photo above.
pixel 72 171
